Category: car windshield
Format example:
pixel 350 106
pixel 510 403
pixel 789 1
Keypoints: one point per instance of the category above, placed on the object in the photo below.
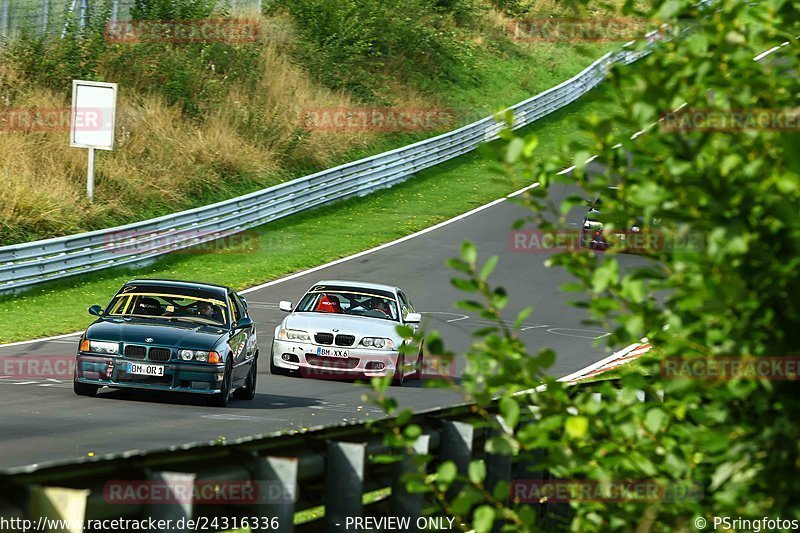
pixel 199 308
pixel 350 302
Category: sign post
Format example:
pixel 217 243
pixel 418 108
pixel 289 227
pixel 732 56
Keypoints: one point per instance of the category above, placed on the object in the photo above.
pixel 92 117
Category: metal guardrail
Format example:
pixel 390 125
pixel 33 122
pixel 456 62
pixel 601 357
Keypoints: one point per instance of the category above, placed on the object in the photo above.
pixel 334 467
pixel 327 471
pixel 23 265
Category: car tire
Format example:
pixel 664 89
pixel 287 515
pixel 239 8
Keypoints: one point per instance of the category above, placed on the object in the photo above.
pixel 399 374
pixel 221 398
pixel 420 361
pixel 248 392
pixel 84 389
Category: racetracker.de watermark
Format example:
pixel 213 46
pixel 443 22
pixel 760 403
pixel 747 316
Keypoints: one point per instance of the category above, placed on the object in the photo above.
pixel 39 367
pixel 587 490
pixel 378 119
pixel 198 492
pixel 732 120
pixel 343 368
pixel 47 119
pixel 731 367
pixel 578 29
pixel 182 31
pixel 187 241
pixel 628 241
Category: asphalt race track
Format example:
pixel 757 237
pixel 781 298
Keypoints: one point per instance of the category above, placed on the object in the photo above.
pixel 44 421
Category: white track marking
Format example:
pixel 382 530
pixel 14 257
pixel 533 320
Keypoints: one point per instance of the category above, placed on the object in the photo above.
pixel 594 366
pixel 764 54
pixel 459 315
pixel 598 334
pixel 566 170
pixel 388 244
pixel 43 339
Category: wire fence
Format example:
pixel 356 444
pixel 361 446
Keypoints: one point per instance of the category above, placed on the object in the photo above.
pixel 20 18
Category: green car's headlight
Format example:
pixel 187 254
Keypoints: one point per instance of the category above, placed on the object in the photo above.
pixel 110 348
pixel 200 355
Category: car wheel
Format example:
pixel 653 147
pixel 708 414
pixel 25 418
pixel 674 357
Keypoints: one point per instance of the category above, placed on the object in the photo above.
pixel 84 389
pixel 221 399
pixel 400 372
pixel 248 392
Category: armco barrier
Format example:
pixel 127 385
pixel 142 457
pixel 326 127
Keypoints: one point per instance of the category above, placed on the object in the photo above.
pixel 332 467
pixel 23 265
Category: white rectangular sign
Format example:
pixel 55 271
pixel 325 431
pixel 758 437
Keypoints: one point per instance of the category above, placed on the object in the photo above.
pixel 94 106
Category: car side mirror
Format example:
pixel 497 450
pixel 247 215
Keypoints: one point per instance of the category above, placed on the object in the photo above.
pixel 244 322
pixel 285 306
pixel 413 318
pixel 96 310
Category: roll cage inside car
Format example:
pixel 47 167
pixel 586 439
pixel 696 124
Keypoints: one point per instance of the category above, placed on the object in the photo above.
pixel 176 302
pixel 353 302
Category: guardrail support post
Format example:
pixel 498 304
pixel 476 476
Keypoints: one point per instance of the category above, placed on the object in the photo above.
pixel 457 447
pixel 405 503
pixel 83 14
pixel 60 504
pixel 344 484
pixel 498 470
pixel 4 18
pixel 277 485
pixel 173 509
pixel 45 13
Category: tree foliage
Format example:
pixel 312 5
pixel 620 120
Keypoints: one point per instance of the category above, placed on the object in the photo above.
pixel 734 191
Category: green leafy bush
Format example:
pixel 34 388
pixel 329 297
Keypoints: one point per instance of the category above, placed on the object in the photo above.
pixel 731 293
pixel 359 45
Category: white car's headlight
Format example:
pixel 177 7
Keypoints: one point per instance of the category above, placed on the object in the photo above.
pixel 377 342
pixel 293 335
pixel 111 348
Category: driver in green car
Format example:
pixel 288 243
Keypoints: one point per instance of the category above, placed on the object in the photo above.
pixel 212 312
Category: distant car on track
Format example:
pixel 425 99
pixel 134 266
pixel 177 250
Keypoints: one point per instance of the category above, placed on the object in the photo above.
pixel 176 336
pixel 346 329
pixel 595 237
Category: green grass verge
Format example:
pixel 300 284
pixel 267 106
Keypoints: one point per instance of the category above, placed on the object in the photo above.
pixel 294 243
pixel 315 513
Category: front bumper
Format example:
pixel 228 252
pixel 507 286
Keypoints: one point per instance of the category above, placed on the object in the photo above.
pixel 113 371
pixel 361 362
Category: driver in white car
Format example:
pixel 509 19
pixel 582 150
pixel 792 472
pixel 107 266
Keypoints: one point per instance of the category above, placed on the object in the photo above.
pixel 380 305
